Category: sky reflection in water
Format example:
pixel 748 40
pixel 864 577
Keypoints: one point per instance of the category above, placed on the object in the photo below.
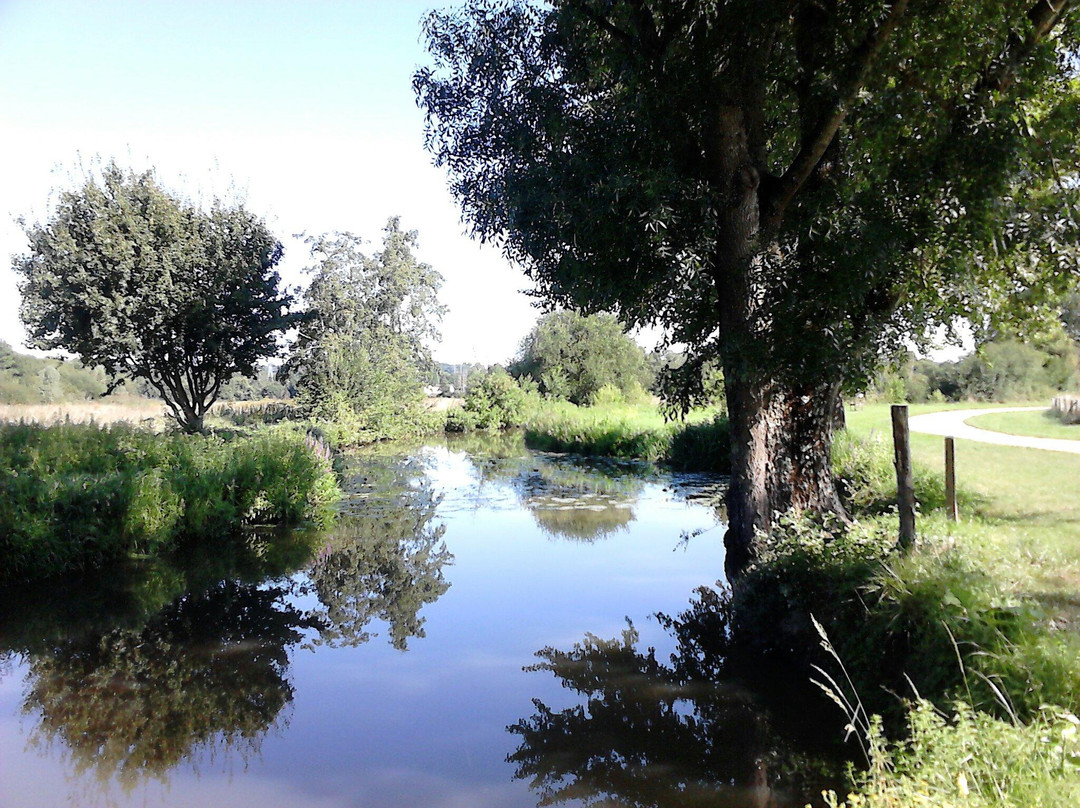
pixel 387 671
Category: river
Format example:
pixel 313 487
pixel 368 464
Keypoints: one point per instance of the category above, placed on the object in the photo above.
pixel 394 661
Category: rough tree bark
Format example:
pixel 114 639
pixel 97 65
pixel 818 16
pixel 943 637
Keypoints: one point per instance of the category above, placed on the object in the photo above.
pixel 781 433
pixel 781 441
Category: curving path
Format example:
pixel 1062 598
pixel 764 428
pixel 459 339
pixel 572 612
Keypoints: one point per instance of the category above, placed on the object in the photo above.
pixel 951 424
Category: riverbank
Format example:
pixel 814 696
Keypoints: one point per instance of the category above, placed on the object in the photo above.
pixel 78 497
pixel 982 612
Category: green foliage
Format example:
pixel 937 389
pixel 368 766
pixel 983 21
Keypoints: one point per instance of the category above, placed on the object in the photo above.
pixel 575 357
pixel 262 386
pixel 973 760
pixel 1000 370
pixel 77 496
pixel 495 401
pixel 583 137
pixel 25 379
pixel 937 620
pixel 136 280
pixel 866 477
pixel 357 362
pixel 635 433
pixel 794 190
pixel 610 432
pixel 702 446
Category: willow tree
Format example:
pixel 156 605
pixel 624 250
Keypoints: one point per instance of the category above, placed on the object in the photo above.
pixel 133 278
pixel 792 187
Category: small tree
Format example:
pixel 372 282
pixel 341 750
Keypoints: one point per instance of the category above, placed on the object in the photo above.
pixel 573 356
pixel 131 277
pixel 361 347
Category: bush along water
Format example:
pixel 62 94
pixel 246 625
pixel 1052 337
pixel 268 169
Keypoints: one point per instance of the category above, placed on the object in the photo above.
pixel 496 401
pixel 631 433
pixel 962 670
pixel 77 496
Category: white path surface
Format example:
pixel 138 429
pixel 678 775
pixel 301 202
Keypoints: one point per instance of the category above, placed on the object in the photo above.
pixel 951 424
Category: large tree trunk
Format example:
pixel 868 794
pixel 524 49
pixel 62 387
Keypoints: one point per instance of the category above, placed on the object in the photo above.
pixel 781 430
pixel 781 442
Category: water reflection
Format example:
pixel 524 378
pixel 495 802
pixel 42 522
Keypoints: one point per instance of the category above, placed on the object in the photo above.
pixel 136 672
pixel 681 735
pixel 573 498
pixel 209 670
pixel 384 560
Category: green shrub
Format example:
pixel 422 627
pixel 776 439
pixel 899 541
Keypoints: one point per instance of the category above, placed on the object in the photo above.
pixel 607 432
pixel 607 396
pixel 973 760
pixel 76 496
pixel 866 477
pixel 935 621
pixel 496 401
pixel 632 433
pixel 704 446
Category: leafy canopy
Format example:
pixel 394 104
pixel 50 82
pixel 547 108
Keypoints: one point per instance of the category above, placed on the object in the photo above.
pixel 361 346
pixel 839 173
pixel 133 278
pixel 574 356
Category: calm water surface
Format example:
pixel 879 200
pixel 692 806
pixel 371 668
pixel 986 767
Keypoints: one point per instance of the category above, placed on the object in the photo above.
pixel 383 664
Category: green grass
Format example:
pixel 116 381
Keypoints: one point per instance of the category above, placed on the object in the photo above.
pixel 77 496
pixel 983 612
pixel 632 432
pixel 1029 507
pixel 1042 424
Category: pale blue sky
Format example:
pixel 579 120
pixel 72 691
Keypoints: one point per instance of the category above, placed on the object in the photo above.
pixel 306 107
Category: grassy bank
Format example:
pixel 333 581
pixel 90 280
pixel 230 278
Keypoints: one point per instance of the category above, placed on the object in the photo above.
pixel 77 496
pixel 699 443
pixel 977 629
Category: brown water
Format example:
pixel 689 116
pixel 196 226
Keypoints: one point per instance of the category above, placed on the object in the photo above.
pixel 383 664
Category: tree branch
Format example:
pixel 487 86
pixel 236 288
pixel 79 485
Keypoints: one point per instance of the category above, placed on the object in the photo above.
pixel 1043 16
pixel 607 25
pixel 814 146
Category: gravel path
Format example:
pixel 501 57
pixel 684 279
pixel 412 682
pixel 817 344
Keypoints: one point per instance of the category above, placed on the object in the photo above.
pixel 951 424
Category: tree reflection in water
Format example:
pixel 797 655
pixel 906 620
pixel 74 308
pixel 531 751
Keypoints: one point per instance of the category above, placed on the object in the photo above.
pixel 678 735
pixel 573 498
pixel 172 662
pixel 384 561
pixel 210 670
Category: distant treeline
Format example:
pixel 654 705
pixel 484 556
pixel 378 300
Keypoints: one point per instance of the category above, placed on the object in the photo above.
pixel 26 379
pixel 1000 370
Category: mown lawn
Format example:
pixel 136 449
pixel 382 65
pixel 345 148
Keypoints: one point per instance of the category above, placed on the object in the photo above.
pixel 1041 424
pixel 1027 522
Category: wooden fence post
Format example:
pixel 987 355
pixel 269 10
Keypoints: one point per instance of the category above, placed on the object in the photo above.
pixel 905 479
pixel 950 478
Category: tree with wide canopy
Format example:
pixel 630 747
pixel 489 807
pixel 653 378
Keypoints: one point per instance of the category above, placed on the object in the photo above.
pixel 793 187
pixel 133 278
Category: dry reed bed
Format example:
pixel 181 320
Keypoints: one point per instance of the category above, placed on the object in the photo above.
pixel 1067 408
pixel 134 411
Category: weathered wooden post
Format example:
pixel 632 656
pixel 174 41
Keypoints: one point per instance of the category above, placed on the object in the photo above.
pixel 950 478
pixel 905 479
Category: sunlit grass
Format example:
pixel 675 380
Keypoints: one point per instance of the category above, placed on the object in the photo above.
pixel 1026 523
pixel 628 431
pixel 1041 424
